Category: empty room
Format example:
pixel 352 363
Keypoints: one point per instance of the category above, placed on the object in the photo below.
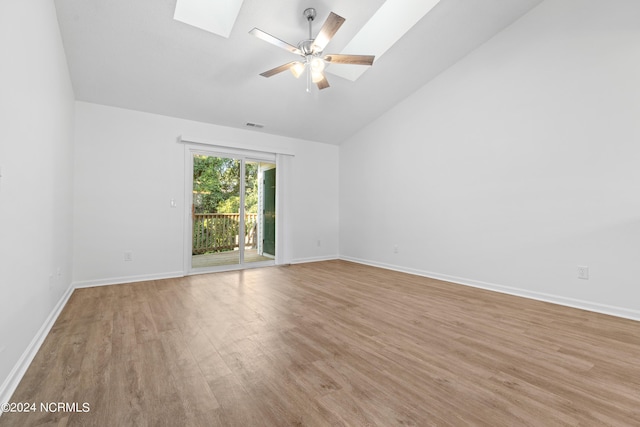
pixel 363 213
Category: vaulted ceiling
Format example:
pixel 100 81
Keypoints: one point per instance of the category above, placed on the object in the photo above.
pixel 134 55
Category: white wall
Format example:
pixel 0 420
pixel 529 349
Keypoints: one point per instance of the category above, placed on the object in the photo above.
pixel 514 166
pixel 128 167
pixel 36 116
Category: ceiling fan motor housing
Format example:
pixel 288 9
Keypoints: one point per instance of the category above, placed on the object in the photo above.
pixel 306 46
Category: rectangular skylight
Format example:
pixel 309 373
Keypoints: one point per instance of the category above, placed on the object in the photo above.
pixel 214 16
pixel 391 21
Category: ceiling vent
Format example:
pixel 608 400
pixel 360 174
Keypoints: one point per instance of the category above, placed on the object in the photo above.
pixel 254 125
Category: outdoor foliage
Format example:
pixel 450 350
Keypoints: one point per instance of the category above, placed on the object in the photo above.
pixel 216 189
pixel 216 185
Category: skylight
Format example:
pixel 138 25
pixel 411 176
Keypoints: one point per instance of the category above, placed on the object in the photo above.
pixel 392 20
pixel 214 16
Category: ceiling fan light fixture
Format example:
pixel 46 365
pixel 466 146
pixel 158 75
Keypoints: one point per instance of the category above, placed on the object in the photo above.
pixel 297 69
pixel 316 76
pixel 317 64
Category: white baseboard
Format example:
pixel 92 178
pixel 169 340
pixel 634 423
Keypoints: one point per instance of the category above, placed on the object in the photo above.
pixel 20 368
pixel 126 279
pixel 539 296
pixel 314 259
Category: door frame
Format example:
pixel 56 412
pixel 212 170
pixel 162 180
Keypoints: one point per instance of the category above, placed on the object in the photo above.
pixel 243 155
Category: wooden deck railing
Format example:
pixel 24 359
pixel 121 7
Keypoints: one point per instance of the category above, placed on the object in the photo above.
pixel 217 232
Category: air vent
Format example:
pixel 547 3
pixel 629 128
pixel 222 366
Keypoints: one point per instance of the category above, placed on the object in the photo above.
pixel 255 125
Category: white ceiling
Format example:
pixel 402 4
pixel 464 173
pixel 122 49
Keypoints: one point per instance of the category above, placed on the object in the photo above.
pixel 133 54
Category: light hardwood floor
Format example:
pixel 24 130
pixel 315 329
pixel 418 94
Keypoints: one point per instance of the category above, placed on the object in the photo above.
pixel 330 343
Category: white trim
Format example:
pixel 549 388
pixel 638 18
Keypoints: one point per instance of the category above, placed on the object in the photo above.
pixel 284 213
pixel 188 199
pixel 127 279
pixel 315 259
pixel 20 368
pixel 539 296
pixel 233 146
pixel 230 153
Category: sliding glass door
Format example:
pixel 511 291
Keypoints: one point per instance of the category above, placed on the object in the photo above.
pixel 232 212
pixel 259 212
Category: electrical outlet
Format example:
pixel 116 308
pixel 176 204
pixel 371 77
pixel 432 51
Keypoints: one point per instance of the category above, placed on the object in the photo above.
pixel 319 243
pixel 583 272
pixel 128 255
pixel 3 348
pixel 395 249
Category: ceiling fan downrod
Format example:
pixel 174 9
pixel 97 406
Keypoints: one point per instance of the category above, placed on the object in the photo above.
pixel 310 14
pixel 306 46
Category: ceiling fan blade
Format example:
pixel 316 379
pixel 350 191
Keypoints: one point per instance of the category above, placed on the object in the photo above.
pixel 323 84
pixel 328 30
pixel 281 68
pixel 350 59
pixel 275 41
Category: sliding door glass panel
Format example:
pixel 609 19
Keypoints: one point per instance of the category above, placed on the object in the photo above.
pixel 216 211
pixel 259 211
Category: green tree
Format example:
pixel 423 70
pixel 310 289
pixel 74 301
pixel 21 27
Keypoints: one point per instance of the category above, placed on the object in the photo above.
pixel 231 204
pixel 216 185
pixel 213 181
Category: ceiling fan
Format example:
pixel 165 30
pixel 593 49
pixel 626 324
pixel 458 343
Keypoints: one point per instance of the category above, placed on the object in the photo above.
pixel 311 51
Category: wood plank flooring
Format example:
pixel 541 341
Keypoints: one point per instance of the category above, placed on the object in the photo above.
pixel 329 343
